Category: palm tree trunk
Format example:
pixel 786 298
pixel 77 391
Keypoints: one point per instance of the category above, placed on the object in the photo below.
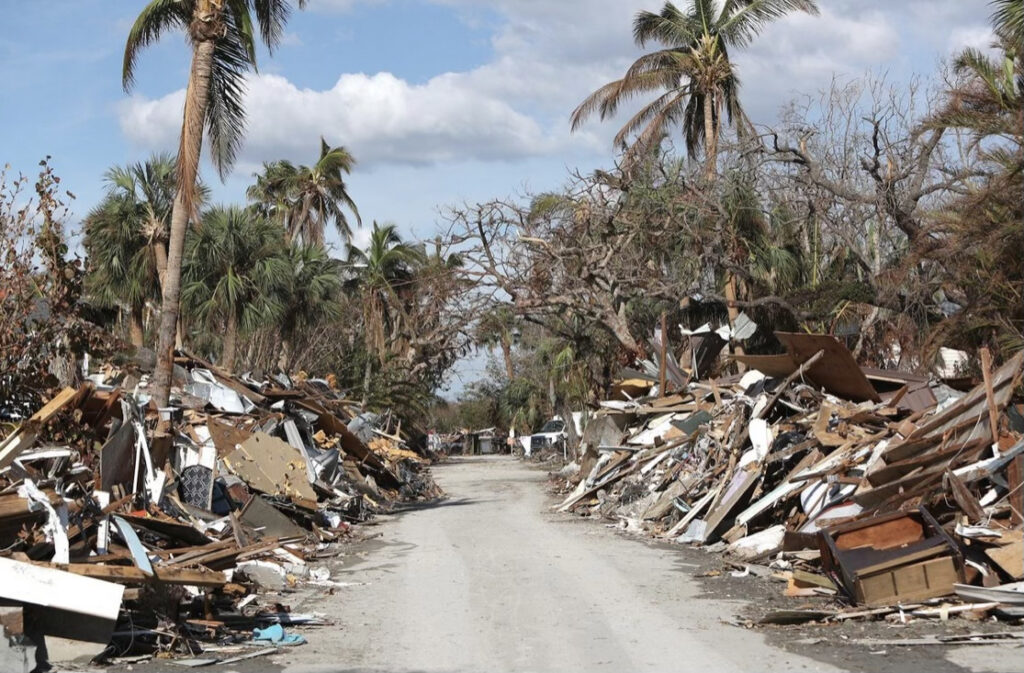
pixel 506 351
pixel 284 358
pixel 160 255
pixel 710 136
pixel 196 99
pixel 135 327
pixel 230 339
pixel 734 314
pixel 367 373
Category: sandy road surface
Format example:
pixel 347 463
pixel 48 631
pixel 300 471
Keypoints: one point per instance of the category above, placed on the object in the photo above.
pixel 492 581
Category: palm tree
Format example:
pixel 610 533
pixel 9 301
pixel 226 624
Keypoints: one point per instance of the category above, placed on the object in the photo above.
pixel 693 74
pixel 232 268
pixel 312 294
pixel 270 194
pixel 305 199
pixel 223 50
pixel 382 269
pixel 126 234
pixel 498 326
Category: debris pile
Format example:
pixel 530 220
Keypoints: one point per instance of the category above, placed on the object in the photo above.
pixel 884 490
pixel 150 530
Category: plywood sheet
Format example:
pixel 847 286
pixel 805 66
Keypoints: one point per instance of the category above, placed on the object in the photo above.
pixel 837 371
pixel 271 465
pixel 776 366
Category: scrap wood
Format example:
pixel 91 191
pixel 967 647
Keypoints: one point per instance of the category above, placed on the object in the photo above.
pixel 836 371
pixel 976 638
pixel 28 432
pixel 785 617
pixel 781 388
pixel 166 574
pixel 968 503
pixel 974 405
pixel 990 395
pixel 945 610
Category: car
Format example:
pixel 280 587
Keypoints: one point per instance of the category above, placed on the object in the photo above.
pixel 551 435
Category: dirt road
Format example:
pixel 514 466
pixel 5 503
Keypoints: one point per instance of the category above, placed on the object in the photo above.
pixel 491 581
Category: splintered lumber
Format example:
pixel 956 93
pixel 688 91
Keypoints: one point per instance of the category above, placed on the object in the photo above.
pixel 607 481
pixel 964 415
pixel 990 395
pixel 200 577
pixel 781 388
pixel 27 433
pixel 968 503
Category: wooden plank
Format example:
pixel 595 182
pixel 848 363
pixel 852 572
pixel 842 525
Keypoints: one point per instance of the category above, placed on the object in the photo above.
pixel 27 433
pixel 775 366
pixel 963 496
pixel 662 392
pixel 200 577
pixel 990 394
pixel 1015 478
pixel 182 551
pixel 972 406
pixel 171 530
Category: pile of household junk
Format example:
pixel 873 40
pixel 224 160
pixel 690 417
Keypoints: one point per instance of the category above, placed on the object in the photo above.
pixel 891 493
pixel 180 531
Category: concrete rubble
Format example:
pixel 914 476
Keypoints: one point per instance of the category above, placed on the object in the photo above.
pixel 178 532
pixel 872 492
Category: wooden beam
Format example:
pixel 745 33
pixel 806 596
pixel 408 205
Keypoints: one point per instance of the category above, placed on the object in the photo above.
pixel 990 394
pixel 661 361
pixel 201 577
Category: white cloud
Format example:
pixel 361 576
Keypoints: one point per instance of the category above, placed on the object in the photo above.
pixel 380 118
pixel 979 37
pixel 802 53
pixel 548 55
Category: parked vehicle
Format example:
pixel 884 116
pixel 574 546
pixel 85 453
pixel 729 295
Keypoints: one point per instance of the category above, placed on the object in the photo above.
pixel 551 435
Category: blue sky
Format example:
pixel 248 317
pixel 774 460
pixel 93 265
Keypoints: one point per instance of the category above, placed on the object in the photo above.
pixel 440 101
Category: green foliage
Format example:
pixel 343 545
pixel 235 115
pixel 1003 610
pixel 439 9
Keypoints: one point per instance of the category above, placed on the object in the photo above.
pixel 305 199
pixel 233 268
pixel 312 291
pixel 126 234
pixel 692 74
pixel 230 24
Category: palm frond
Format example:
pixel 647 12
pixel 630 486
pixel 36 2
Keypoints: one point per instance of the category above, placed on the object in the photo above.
pixel 153 21
pixel 225 112
pixel 654 114
pixel 1008 21
pixel 670 27
pixel 272 16
pixel 743 20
